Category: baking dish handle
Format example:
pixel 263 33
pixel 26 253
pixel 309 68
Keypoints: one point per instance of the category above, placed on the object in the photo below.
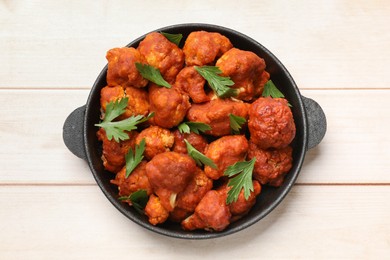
pixel 316 122
pixel 73 132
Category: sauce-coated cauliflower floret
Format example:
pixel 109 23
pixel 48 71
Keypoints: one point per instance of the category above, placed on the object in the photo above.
pixel 216 114
pixel 138 100
pixel 137 180
pixel 162 54
pixel 199 142
pixel 271 123
pixel 224 152
pixel 241 207
pixel 247 70
pixel 188 199
pixel 169 173
pixel 212 213
pixel 203 48
pixel 271 165
pixel 155 211
pixel 110 94
pixel 191 82
pixel 169 106
pixel 138 103
pixel 121 68
pixel 157 140
pixel 113 156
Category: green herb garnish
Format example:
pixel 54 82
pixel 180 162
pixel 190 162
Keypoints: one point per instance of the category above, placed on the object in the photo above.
pixel 218 83
pixel 242 172
pixel 270 90
pixel 115 108
pixel 133 159
pixel 138 199
pixel 175 38
pixel 199 157
pixel 151 73
pixel 196 127
pixel 117 129
pixel 236 123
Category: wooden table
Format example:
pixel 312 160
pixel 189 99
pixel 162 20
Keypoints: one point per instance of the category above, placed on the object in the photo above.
pixel 338 53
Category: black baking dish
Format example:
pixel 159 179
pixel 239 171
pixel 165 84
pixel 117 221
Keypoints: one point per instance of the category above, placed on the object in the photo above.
pixel 79 134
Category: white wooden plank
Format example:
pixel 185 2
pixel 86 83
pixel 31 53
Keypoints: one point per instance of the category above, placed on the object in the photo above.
pixel 31 144
pixel 356 144
pixel 354 150
pixel 324 44
pixel 314 222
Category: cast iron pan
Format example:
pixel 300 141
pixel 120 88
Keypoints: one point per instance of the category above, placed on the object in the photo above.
pixel 79 134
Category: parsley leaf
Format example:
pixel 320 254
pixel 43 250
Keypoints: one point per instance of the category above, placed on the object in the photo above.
pixel 133 159
pixel 270 90
pixel 138 199
pixel 242 172
pixel 236 123
pixel 117 129
pixel 187 127
pixel 151 73
pixel 218 83
pixel 199 157
pixel 115 109
pixel 175 38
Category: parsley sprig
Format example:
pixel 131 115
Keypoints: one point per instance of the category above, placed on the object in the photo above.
pixel 220 85
pixel 199 157
pixel 270 90
pixel 236 123
pixel 138 199
pixel 134 158
pixel 196 127
pixel 116 129
pixel 151 73
pixel 115 108
pixel 242 172
pixel 175 38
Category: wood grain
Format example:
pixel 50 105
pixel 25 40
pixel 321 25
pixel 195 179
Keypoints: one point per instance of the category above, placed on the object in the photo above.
pixel 337 52
pixel 333 222
pixel 356 143
pixel 324 44
pixel 32 149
